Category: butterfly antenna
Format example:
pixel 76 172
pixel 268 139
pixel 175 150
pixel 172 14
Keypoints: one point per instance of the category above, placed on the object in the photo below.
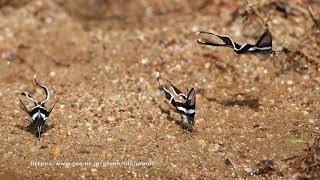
pixel 277 50
pixel 280 46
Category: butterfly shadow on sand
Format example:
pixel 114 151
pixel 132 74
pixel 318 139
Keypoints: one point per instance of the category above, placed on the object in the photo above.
pixel 31 128
pixel 246 101
pixel 169 117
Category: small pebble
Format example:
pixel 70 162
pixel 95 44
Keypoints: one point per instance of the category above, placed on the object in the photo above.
pixel 290 82
pixel 215 147
pixel 144 61
pixel 52 73
pixel 202 143
pixel 101 129
pixel 207 65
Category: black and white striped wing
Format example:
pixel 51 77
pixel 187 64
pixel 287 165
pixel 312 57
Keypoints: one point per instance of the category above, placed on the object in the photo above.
pixel 190 103
pixel 264 44
pixel 228 42
pixel 29 97
pixel 39 113
pixel 167 94
pixel 265 40
pixel 226 39
pixel 176 91
pixel 188 110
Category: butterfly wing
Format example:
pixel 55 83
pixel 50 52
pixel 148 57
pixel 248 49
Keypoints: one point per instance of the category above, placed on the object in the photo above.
pixel 191 101
pixel 228 42
pixel 226 39
pixel 29 97
pixel 265 40
pixel 187 111
pixel 177 91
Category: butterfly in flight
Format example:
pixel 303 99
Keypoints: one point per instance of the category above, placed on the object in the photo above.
pixel 262 46
pixel 39 114
pixel 186 107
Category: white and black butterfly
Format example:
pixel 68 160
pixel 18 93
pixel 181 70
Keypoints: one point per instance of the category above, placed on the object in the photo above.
pixel 39 114
pixel 186 107
pixel 263 45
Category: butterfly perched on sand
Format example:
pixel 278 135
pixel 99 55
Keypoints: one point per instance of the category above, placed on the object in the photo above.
pixel 39 114
pixel 262 46
pixel 186 107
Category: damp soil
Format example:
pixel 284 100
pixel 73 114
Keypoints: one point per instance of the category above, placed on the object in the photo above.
pixel 254 116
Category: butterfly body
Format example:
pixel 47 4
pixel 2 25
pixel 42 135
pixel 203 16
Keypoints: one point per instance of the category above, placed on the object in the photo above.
pixel 39 116
pixel 186 106
pixel 39 113
pixel 263 45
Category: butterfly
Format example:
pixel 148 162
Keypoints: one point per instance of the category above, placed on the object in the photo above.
pixel 186 107
pixel 262 46
pixel 39 114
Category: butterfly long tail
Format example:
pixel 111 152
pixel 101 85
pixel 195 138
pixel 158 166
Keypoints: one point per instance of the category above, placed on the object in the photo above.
pixel 210 43
pixel 45 90
pixel 39 132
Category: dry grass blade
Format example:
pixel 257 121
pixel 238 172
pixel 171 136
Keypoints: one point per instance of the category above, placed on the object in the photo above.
pixel 309 162
pixel 315 20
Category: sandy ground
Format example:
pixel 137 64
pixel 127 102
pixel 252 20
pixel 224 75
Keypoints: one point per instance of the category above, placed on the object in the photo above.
pixel 99 59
